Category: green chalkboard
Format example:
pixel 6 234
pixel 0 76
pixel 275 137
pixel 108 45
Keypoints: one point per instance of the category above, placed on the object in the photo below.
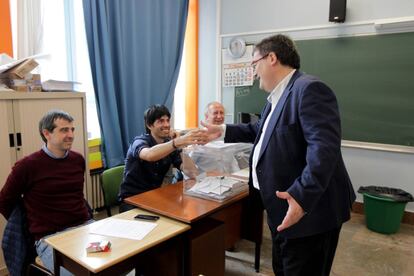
pixel 249 99
pixel 373 79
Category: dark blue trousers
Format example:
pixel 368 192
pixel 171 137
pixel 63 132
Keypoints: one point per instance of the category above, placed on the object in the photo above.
pixel 312 255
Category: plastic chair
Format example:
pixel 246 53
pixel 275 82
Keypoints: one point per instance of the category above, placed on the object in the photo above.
pixel 110 181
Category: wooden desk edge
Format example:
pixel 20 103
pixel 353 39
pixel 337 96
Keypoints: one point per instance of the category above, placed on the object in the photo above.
pixel 225 203
pixel 184 228
pixel 158 212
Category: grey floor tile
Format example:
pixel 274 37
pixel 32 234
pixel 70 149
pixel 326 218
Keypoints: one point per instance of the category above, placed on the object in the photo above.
pixel 360 252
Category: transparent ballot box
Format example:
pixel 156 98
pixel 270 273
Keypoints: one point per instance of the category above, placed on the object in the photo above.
pixel 216 170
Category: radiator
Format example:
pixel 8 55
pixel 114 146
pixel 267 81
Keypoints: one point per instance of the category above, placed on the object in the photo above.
pixel 94 193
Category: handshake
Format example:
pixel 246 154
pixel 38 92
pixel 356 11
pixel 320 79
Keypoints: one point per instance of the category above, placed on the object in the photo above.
pixel 196 136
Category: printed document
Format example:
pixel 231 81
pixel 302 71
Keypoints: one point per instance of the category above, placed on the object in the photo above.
pixel 122 228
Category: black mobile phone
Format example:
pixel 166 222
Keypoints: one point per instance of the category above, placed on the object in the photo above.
pixel 146 217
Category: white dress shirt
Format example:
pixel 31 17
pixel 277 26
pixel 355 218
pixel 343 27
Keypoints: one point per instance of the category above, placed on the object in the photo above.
pixel 273 98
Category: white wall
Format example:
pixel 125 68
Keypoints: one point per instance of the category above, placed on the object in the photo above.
pixel 207 54
pixel 302 19
pixel 238 16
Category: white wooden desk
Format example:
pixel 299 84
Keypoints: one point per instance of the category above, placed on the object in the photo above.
pixel 69 247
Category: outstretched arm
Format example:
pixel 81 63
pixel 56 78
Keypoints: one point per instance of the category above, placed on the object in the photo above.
pixel 213 131
pixel 160 151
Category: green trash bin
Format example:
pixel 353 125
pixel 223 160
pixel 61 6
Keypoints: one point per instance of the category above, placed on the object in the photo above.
pixel 384 208
pixel 383 215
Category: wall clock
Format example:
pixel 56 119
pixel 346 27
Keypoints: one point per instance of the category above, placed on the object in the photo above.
pixel 237 47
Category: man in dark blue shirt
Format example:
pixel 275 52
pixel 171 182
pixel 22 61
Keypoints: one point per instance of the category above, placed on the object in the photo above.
pixel 150 155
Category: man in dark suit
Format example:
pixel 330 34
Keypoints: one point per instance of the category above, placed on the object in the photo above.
pixel 296 163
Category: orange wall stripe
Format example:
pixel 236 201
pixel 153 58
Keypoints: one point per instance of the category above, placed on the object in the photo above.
pixel 191 63
pixel 6 45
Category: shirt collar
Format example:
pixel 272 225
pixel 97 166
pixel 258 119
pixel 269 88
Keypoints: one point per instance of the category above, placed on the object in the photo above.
pixel 277 91
pixel 48 152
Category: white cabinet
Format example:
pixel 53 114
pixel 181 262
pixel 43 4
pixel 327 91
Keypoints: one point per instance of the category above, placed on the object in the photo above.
pixel 20 113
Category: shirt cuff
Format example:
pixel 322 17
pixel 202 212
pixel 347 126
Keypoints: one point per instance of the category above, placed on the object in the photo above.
pixel 223 131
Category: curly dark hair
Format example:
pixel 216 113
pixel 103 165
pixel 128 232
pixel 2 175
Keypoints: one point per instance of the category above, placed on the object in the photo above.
pixel 153 113
pixel 283 47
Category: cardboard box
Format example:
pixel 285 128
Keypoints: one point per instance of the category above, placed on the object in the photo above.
pixel 4 79
pixel 101 246
pixel 7 76
pixel 22 69
pixel 20 88
pixel 36 77
pixel 17 82
pixel 35 88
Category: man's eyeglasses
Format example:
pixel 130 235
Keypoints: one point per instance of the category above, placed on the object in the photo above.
pixel 254 62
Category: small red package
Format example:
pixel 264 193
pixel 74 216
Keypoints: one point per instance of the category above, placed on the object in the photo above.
pixel 102 246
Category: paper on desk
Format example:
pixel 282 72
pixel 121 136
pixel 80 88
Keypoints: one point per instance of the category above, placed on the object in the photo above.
pixel 129 229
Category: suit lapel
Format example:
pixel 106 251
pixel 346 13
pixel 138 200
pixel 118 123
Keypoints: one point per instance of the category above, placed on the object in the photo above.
pixel 276 113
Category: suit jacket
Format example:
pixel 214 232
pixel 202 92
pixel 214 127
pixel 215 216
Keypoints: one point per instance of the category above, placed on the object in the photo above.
pixel 301 154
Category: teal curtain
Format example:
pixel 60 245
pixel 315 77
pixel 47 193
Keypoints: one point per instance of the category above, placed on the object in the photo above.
pixel 135 49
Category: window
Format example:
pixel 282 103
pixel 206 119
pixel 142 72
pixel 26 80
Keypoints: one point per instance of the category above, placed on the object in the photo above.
pixel 179 98
pixel 186 91
pixel 82 72
pixel 62 41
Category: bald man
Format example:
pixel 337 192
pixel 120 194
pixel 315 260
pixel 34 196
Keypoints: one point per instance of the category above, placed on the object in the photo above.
pixel 214 113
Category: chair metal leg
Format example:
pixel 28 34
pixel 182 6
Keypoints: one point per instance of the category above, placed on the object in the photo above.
pixel 37 270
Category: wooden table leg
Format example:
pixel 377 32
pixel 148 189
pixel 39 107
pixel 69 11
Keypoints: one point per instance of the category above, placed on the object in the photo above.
pixel 60 260
pixel 56 262
pixel 257 256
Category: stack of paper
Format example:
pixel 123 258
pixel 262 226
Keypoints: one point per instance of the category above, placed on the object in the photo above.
pixel 215 185
pixel 129 229
pixel 55 85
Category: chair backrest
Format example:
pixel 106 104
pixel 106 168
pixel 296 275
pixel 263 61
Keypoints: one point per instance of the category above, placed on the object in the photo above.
pixel 111 180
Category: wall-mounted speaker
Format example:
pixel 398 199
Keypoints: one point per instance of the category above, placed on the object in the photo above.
pixel 337 11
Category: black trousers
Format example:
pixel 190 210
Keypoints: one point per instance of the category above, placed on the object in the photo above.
pixel 312 255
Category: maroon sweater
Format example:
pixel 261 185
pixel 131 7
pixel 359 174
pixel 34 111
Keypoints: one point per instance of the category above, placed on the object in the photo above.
pixel 52 191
